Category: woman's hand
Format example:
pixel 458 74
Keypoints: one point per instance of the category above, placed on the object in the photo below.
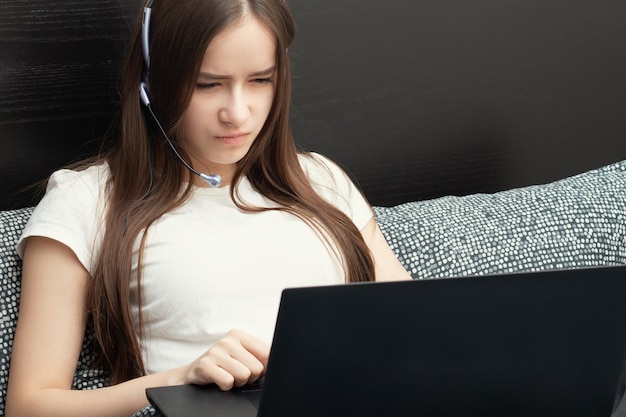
pixel 235 360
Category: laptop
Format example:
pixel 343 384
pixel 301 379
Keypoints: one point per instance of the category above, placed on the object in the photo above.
pixel 525 344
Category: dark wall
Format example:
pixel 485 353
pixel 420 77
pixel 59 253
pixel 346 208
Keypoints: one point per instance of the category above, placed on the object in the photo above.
pixel 59 65
pixel 416 99
pixel 431 97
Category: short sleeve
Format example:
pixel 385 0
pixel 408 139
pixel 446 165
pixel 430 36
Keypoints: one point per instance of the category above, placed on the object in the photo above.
pixel 71 212
pixel 334 185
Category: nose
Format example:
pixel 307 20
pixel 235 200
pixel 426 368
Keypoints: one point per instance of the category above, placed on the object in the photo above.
pixel 236 110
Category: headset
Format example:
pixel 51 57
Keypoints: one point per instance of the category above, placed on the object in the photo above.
pixel 213 180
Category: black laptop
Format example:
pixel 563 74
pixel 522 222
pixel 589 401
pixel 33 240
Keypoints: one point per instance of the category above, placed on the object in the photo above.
pixel 530 344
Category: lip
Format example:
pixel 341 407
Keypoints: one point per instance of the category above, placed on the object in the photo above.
pixel 233 138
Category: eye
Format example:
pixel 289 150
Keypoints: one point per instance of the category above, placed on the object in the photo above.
pixel 262 80
pixel 206 86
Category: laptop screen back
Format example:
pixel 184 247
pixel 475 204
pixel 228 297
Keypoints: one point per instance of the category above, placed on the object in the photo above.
pixel 540 344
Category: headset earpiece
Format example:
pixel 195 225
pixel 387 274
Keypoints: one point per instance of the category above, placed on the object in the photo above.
pixel 143 93
pixel 145 48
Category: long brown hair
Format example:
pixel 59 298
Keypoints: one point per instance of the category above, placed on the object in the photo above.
pixel 145 178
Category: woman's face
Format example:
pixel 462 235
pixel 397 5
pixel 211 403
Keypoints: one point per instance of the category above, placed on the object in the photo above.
pixel 232 98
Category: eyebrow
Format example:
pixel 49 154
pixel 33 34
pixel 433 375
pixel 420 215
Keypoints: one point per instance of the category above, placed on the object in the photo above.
pixel 210 76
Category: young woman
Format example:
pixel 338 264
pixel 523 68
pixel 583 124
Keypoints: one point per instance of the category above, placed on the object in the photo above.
pixel 175 243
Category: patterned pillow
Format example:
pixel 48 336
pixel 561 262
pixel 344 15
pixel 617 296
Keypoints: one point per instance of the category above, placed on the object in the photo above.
pixel 11 225
pixel 575 222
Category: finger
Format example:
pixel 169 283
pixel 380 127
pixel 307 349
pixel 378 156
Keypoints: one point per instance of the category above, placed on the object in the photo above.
pixel 259 349
pixel 222 378
pixel 239 372
pixel 236 359
pixel 206 370
pixel 241 365
pixel 254 368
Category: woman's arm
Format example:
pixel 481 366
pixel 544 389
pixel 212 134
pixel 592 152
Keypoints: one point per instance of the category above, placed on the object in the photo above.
pixel 48 340
pixel 49 336
pixel 386 265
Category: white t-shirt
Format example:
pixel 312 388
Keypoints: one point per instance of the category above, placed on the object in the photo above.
pixel 208 267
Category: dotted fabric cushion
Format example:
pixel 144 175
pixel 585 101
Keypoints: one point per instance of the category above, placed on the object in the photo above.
pixel 579 221
pixel 11 225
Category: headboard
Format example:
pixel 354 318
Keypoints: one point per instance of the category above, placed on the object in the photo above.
pixel 415 99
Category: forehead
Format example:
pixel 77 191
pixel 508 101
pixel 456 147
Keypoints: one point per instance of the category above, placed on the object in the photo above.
pixel 246 45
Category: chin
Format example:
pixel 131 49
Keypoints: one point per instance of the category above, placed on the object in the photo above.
pixel 230 158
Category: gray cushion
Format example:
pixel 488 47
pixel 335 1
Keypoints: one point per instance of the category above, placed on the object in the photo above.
pixel 575 222
pixel 11 225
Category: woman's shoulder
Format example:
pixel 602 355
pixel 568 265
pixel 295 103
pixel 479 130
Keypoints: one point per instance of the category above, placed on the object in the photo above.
pixel 333 184
pixel 76 194
pixel 327 176
pixel 91 179
pixel 320 168
pixel 71 211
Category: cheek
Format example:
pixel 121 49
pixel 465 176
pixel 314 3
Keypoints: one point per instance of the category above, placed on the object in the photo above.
pixel 196 114
pixel 268 102
pixel 187 123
